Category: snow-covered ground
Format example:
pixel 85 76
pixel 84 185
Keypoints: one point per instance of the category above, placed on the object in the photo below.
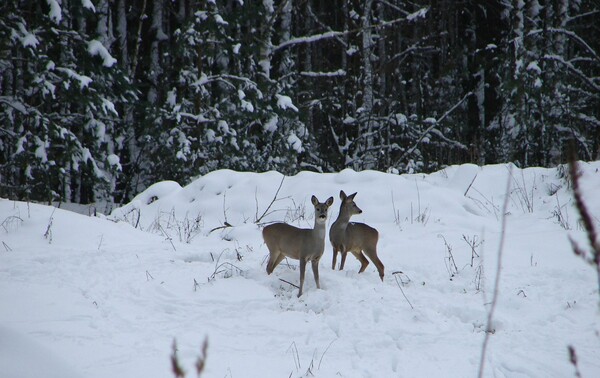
pixel 106 296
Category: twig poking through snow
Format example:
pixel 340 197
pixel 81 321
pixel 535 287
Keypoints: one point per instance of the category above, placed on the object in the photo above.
pixel 395 274
pixel 48 233
pixel 266 212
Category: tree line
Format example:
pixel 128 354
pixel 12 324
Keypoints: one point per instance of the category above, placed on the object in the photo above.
pixel 101 98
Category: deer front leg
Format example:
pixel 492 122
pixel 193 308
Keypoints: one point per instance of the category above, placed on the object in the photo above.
pixel 315 268
pixel 334 259
pixel 302 271
pixel 343 252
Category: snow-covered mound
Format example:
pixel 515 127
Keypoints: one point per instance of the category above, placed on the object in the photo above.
pixel 108 295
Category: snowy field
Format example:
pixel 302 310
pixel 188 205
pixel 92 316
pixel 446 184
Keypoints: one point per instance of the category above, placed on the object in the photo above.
pixel 105 296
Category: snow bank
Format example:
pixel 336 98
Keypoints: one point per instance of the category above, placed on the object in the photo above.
pixel 188 263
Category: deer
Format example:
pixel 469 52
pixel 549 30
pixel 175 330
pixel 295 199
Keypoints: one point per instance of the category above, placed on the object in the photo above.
pixel 357 238
pixel 304 244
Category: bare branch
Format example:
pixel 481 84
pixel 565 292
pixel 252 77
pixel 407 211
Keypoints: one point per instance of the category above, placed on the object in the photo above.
pixel 488 327
pixel 272 202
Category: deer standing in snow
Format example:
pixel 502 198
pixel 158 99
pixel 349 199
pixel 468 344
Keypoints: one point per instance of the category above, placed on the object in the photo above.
pixel 301 244
pixel 346 236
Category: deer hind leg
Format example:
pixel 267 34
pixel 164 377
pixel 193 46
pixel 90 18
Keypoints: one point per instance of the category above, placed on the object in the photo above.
pixel 363 261
pixel 274 259
pixel 372 255
pixel 302 271
pixel 315 269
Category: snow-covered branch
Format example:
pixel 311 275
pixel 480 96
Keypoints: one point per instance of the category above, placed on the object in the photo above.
pixel 335 34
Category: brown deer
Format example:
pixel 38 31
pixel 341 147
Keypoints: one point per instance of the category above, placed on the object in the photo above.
pixel 346 236
pixel 302 244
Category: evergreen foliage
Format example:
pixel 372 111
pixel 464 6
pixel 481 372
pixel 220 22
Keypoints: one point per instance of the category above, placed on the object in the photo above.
pixel 99 99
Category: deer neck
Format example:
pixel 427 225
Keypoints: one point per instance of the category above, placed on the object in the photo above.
pixel 342 220
pixel 319 228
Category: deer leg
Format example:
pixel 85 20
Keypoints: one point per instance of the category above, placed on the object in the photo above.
pixel 271 263
pixel 334 259
pixel 274 260
pixel 315 269
pixel 362 259
pixel 343 262
pixel 372 254
pixel 302 271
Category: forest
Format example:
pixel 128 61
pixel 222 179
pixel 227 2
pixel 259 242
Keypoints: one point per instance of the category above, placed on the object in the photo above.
pixel 101 98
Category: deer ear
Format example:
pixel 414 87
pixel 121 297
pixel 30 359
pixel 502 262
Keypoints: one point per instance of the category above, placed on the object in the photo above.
pixel 351 196
pixel 329 201
pixel 314 200
pixel 342 195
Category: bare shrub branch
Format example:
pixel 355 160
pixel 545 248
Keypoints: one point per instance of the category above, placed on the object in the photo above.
pixel 258 219
pixel 592 256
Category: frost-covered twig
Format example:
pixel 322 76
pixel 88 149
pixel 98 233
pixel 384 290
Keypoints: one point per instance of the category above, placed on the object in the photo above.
pixel 449 261
pixel 10 220
pixel 488 327
pixel 48 233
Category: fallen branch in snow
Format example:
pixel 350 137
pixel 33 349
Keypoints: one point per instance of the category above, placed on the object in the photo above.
pixel 289 283
pixel 225 225
pixel 488 327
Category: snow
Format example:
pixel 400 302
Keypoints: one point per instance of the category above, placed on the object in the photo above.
pixel 109 107
pixel 55 13
pixel 83 80
pixel 295 142
pixel 421 13
pixel 285 102
pixel 219 20
pixel 88 5
pixel 40 151
pixel 27 39
pixel 271 125
pixel 106 296
pixel 114 161
pixel 96 48
pixel 533 66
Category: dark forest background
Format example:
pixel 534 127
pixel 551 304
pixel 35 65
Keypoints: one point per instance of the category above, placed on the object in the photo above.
pixel 101 98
